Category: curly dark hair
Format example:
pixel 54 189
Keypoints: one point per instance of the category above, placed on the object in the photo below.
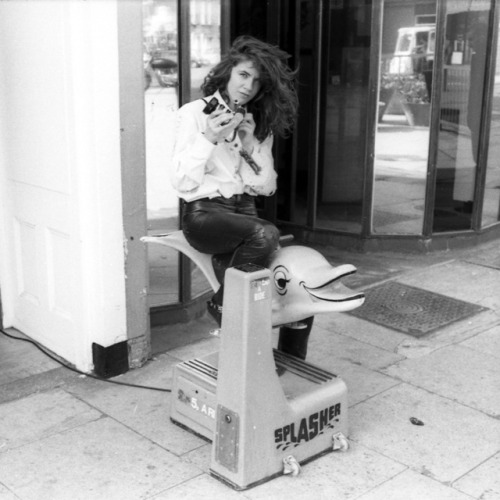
pixel 275 106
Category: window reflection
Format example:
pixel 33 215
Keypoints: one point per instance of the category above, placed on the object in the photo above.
pixel 205 41
pixel 402 137
pixel 161 86
pixel 461 113
pixel 161 101
pixel 491 207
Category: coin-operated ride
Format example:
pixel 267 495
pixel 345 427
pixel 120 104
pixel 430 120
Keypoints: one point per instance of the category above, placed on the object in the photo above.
pixel 304 282
pixel 265 411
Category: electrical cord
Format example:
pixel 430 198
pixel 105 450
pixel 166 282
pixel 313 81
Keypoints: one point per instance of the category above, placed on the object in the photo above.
pixel 95 377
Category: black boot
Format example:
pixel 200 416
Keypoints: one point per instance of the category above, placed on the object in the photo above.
pixel 294 340
pixel 214 306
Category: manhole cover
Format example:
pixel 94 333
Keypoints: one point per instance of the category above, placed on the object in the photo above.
pixel 412 310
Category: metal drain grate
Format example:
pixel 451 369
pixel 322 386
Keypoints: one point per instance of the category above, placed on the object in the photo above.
pixel 412 310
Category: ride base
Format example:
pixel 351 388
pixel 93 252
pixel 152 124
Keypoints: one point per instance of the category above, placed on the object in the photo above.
pixel 264 411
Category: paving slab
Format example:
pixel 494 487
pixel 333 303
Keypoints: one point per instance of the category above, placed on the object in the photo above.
pixel 99 460
pixel 482 482
pixel 487 342
pixel 201 457
pixel 201 487
pixel 397 342
pixel 337 475
pixel 145 411
pixel 51 379
pixel 458 373
pixel 453 440
pixel 325 344
pixel 460 280
pixel 460 332
pixel 466 329
pixel 40 415
pixel 487 256
pixel 410 485
pixel 5 494
pixel 362 330
pixel 12 351
pixel 355 362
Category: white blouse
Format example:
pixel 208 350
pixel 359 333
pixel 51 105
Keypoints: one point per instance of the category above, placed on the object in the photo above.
pixel 202 169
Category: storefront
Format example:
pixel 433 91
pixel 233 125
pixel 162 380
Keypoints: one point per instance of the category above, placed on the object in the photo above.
pixel 398 137
pixel 397 146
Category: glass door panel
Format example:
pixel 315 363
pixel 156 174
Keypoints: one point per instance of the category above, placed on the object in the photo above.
pixel 204 40
pixel 491 205
pixel 461 113
pixel 342 159
pixel 205 46
pixel 293 175
pixel 161 87
pixel 161 101
pixel 404 106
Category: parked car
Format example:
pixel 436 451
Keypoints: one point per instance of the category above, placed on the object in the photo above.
pixel 166 71
pixel 160 70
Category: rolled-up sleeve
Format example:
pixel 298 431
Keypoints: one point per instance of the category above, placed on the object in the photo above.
pixel 265 181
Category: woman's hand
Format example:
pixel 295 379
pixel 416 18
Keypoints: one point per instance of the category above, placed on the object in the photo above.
pixel 221 124
pixel 246 132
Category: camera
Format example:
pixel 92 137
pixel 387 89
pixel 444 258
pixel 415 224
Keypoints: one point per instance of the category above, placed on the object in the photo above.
pixel 211 106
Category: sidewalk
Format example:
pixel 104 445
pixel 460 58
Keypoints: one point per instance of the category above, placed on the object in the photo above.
pixel 65 436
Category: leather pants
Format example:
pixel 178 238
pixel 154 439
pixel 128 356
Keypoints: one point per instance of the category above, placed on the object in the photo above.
pixel 230 229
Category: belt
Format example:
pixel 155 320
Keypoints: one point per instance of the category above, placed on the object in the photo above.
pixel 237 198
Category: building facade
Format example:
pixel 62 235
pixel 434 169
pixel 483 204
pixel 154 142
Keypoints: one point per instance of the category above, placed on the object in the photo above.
pixel 398 134
pixel 396 147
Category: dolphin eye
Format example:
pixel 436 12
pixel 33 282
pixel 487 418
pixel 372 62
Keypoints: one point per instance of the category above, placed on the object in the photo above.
pixel 281 281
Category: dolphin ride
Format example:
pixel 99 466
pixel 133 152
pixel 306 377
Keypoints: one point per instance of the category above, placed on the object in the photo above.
pixel 305 283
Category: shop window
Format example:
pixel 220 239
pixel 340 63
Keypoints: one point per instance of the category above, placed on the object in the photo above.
pixel 161 101
pixel 161 97
pixel 404 109
pixel 461 113
pixel 491 205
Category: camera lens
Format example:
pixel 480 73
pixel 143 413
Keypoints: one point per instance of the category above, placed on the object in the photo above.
pixel 241 110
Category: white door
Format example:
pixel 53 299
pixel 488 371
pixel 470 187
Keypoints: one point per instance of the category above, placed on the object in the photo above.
pixel 62 251
pixel 38 218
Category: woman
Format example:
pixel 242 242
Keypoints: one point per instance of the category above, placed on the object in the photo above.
pixel 223 158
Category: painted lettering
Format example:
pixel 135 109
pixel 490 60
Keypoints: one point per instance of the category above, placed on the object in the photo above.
pixel 337 409
pixel 313 425
pixel 303 431
pixel 278 435
pixel 308 427
pixel 323 418
pixel 195 405
pixel 286 432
